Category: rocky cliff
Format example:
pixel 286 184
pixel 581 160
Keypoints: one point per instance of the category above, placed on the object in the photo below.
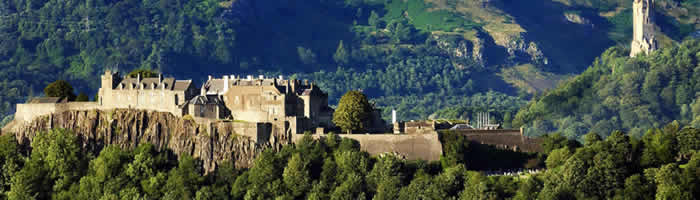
pixel 213 144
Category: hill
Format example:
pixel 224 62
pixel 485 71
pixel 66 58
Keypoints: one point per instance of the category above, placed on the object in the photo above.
pixel 460 48
pixel 622 93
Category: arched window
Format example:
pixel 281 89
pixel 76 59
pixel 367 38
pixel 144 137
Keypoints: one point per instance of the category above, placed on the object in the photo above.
pixel 176 100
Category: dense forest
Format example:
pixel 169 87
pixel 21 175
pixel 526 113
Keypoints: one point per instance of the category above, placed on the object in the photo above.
pixel 414 55
pixel 663 164
pixel 621 93
pixel 44 41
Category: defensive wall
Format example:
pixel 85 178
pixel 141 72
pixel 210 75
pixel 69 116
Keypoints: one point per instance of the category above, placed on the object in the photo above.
pixel 410 146
pixel 27 112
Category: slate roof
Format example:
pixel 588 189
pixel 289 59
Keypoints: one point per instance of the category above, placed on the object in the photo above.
pixel 215 86
pixel 204 100
pixel 182 85
pixel 147 83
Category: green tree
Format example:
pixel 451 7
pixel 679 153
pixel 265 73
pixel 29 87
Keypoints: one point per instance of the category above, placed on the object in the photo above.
pixel 55 163
pixel 60 88
pixel 10 162
pixel 145 73
pixel 184 180
pixel 352 112
pixel 342 54
pixel 296 176
pixel 386 177
pixel 374 20
pixel 82 97
pixel 688 142
pixel 669 182
pixel 557 157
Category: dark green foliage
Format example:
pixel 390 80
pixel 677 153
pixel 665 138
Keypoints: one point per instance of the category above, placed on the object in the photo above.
pixel 143 73
pixel 353 112
pixel 331 168
pixel 60 88
pixel 621 93
pixel 82 97
pixel 458 150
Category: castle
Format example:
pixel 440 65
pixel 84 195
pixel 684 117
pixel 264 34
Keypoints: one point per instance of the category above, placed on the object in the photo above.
pixel 295 105
pixel 643 40
pixel 259 108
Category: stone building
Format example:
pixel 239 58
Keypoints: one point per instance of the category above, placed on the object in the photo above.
pixel 157 94
pixel 292 105
pixel 644 40
pixel 297 105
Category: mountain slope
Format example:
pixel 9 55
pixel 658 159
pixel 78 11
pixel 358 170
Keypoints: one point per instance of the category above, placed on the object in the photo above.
pixel 47 40
pixel 618 92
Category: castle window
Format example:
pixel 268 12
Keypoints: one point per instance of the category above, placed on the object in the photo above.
pixel 176 100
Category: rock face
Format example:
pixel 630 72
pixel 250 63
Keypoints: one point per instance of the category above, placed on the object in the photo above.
pixel 577 19
pixel 643 40
pixel 213 144
pixel 461 51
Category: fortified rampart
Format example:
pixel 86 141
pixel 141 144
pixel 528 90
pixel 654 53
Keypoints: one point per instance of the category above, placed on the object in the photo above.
pixel 410 146
pixel 27 112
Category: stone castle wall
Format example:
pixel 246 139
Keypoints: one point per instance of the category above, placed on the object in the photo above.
pixel 157 100
pixel 260 104
pixel 411 146
pixel 27 112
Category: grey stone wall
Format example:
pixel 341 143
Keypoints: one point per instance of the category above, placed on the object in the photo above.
pixel 412 147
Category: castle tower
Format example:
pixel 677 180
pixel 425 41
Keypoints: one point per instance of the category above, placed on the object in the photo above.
pixel 107 80
pixel 643 36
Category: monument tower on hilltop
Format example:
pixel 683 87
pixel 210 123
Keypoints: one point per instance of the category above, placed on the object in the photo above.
pixel 643 40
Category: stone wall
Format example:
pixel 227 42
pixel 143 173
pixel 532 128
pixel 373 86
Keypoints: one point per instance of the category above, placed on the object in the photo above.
pixel 27 112
pixel 412 147
pixel 259 104
pixel 157 100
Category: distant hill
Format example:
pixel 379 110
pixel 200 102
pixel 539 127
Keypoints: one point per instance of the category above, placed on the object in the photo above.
pixel 622 93
pixel 459 47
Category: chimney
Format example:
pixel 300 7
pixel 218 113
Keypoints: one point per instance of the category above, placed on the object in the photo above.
pixel 225 83
pixel 160 78
pixel 281 77
pixel 393 116
pixel 250 77
pixel 209 77
pixel 261 76
pixel 203 91
pixel 138 78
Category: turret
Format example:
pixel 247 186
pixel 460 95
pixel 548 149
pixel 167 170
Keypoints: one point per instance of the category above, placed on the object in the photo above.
pixel 108 80
pixel 643 38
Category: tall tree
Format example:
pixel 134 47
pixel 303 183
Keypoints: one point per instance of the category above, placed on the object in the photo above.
pixel 353 109
pixel 60 88
pixel 342 54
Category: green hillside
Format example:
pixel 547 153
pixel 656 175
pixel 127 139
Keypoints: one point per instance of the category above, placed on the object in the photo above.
pixel 445 48
pixel 618 92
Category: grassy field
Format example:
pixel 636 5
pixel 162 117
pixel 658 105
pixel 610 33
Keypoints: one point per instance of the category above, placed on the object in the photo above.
pixel 425 17
pixel 527 77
